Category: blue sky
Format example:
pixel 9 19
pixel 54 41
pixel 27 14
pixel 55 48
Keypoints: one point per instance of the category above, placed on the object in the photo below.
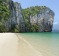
pixel 52 4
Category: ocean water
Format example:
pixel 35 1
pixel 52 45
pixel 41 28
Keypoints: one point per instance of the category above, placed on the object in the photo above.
pixel 46 43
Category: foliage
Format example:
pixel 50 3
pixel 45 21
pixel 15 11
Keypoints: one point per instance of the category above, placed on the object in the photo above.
pixel 4 10
pixel 31 12
pixel 34 28
pixel 2 28
pixel 4 14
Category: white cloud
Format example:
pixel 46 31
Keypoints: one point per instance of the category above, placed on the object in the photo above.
pixel 55 23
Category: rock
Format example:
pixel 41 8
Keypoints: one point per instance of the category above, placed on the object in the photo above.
pixel 16 19
pixel 44 19
pixel 40 21
pixel 19 18
pixel 10 23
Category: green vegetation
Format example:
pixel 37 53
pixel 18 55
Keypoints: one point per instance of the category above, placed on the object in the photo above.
pixel 4 10
pixel 34 28
pixel 31 12
pixel 4 14
pixel 2 28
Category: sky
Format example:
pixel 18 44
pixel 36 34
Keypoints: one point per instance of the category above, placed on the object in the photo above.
pixel 52 4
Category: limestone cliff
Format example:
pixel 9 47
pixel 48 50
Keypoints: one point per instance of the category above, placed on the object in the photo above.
pixel 44 20
pixel 19 18
pixel 15 22
pixel 10 23
pixel 38 19
pixel 33 19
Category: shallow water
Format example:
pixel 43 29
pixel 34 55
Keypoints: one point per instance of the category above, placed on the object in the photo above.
pixel 46 43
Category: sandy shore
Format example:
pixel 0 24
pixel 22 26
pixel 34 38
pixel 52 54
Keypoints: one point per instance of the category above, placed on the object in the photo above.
pixel 11 44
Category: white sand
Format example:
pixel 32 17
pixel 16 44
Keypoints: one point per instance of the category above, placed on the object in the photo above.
pixel 13 45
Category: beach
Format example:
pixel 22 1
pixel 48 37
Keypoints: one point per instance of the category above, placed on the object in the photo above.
pixel 29 44
pixel 11 44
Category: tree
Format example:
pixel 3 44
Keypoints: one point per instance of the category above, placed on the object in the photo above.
pixel 31 12
pixel 4 14
pixel 4 10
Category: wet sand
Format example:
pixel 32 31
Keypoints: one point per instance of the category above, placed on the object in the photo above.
pixel 13 45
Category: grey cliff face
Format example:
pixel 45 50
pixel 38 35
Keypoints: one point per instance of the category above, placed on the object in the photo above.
pixel 10 23
pixel 19 18
pixel 44 20
pixel 16 19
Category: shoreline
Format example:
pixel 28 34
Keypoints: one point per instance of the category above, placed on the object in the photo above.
pixel 10 45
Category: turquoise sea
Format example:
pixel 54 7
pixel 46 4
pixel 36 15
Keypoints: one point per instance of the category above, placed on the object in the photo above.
pixel 47 43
